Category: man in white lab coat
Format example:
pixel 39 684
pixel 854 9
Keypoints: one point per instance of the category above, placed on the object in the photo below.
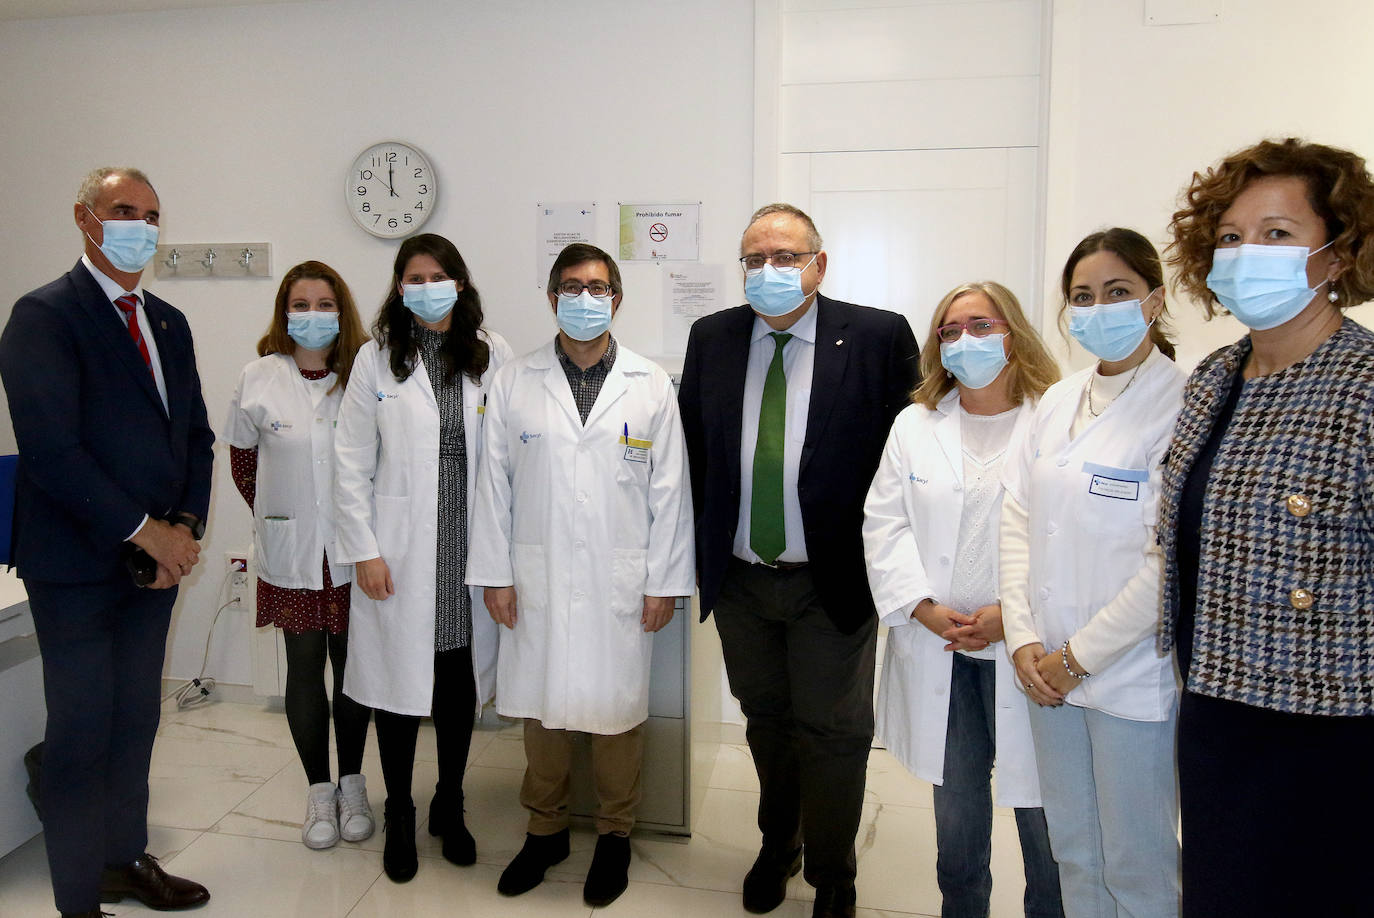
pixel 582 536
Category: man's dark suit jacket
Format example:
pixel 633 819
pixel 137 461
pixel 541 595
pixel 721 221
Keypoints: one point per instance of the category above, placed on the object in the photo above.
pixel 865 367
pixel 96 449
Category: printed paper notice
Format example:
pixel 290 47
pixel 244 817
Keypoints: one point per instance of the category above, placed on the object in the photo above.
pixel 660 232
pixel 693 291
pixel 557 227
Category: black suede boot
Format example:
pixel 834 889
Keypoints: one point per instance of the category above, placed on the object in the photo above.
pixel 399 859
pixel 526 871
pixel 459 846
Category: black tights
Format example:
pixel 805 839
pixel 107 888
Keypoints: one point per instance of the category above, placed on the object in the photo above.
pixel 307 705
pixel 454 704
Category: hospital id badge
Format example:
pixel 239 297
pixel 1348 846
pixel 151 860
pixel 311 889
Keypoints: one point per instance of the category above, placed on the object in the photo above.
pixel 636 450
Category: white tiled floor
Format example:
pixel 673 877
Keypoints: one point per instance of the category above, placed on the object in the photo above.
pixel 228 796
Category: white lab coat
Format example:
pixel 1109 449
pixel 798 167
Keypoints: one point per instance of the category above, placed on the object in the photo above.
pixel 1092 502
pixel 911 527
pixel 291 421
pixel 387 491
pixel 585 525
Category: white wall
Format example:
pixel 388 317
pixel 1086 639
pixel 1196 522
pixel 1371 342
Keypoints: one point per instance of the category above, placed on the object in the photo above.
pixel 247 118
pixel 1136 109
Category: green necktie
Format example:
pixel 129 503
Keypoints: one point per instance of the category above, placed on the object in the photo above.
pixel 767 536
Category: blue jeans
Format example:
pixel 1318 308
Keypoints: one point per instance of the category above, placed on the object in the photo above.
pixel 963 807
pixel 1111 801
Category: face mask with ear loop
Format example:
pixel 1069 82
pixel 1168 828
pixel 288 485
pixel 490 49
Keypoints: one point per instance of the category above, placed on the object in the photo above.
pixel 129 244
pixel 1110 331
pixel 1263 286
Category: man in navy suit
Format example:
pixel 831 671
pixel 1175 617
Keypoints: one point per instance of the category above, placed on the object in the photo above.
pixel 786 404
pixel 114 463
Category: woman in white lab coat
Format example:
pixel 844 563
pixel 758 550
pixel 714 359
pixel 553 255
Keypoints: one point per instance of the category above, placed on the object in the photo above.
pixel 280 432
pixel 407 446
pixel 948 702
pixel 1080 575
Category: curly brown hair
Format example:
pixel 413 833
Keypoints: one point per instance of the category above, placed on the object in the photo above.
pixel 1339 188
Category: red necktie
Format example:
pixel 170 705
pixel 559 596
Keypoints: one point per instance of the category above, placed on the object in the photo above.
pixel 128 304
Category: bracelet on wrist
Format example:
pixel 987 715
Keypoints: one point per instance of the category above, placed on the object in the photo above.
pixel 1064 655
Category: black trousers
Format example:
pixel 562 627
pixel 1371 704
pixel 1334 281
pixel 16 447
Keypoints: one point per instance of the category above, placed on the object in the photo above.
pixel 1276 812
pixel 806 690
pixel 102 646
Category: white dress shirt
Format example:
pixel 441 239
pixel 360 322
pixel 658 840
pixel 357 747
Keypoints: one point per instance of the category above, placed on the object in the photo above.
pixel 111 289
pixel 798 360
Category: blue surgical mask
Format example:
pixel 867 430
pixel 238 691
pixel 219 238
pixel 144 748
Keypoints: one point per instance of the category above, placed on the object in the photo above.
pixel 975 362
pixel 775 291
pixel 313 330
pixel 1109 331
pixel 430 302
pixel 129 244
pixel 584 317
pixel 1262 285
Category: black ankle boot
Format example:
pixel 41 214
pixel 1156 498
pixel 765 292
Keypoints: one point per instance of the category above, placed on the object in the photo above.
pixel 459 846
pixel 438 812
pixel 399 859
pixel 526 871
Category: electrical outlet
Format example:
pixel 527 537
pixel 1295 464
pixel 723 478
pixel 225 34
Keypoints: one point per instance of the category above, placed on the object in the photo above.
pixel 237 565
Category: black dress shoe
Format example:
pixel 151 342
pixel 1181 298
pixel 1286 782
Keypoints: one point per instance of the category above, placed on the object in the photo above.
pixel 146 881
pixel 765 885
pixel 610 870
pixel 399 859
pixel 526 871
pixel 93 913
pixel 834 902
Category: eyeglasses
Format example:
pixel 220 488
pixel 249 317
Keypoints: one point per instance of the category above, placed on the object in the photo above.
pixel 978 328
pixel 780 260
pixel 595 288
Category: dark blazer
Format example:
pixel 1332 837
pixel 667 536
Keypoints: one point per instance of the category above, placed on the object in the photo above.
pixel 96 448
pixel 866 363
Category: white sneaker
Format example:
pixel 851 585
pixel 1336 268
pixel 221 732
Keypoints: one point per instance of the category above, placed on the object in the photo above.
pixel 321 829
pixel 355 816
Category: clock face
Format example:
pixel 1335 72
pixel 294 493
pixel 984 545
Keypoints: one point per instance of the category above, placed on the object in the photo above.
pixel 391 189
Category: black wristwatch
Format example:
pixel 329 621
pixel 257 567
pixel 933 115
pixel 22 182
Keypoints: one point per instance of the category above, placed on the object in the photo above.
pixel 190 521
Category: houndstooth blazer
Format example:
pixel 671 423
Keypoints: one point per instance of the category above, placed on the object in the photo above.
pixel 1285 592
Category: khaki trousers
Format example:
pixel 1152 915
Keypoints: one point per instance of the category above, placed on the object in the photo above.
pixel 616 763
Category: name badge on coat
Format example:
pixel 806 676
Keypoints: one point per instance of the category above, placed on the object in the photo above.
pixel 1118 484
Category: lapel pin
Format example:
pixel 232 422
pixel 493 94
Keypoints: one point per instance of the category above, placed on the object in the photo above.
pixel 163 323
pixel 839 342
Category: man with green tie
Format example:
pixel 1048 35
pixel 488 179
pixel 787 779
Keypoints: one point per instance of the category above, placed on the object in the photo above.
pixel 786 403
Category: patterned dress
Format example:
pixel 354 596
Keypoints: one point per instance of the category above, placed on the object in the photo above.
pixel 453 603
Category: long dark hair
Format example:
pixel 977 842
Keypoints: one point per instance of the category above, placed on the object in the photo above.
pixel 1140 256
pixel 463 349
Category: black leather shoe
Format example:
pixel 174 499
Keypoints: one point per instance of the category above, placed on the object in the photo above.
pixel 765 885
pixel 610 870
pixel 399 859
pixel 834 902
pixel 93 913
pixel 526 871
pixel 146 881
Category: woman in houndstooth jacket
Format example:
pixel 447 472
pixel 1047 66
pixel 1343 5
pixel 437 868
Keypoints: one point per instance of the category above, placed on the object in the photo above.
pixel 1267 527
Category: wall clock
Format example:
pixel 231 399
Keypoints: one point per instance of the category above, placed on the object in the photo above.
pixel 391 189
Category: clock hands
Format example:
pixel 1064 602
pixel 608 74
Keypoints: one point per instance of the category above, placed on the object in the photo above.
pixel 391 180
